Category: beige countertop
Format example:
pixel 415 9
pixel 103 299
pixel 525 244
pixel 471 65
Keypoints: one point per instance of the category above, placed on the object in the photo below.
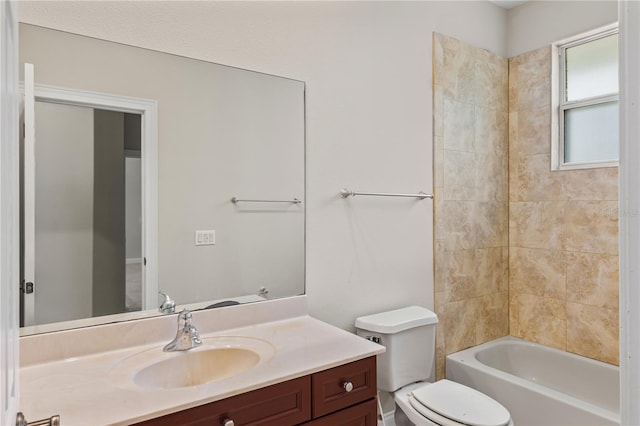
pixel 94 389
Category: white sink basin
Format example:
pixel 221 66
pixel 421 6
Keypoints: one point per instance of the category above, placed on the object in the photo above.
pixel 218 358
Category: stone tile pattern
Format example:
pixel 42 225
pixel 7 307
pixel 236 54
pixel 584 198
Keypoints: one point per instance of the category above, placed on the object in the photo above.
pixel 471 196
pixel 563 230
pixel 519 249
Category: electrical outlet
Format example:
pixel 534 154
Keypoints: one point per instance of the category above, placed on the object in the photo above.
pixel 205 238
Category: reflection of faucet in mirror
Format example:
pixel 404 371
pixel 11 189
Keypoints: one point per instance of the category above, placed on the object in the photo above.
pixel 187 336
pixel 168 306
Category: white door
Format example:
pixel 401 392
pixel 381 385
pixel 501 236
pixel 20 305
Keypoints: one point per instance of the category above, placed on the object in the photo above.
pixel 58 188
pixel 9 214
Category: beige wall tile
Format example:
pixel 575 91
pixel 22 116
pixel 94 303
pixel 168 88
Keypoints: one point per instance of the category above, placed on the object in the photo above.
pixel 471 216
pixel 460 325
pixel 445 81
pixel 538 272
pixel 590 227
pixel 592 279
pixel 592 184
pixel 457 222
pixel 542 320
pixel 493 317
pixel 438 111
pixel 491 181
pixel 514 81
pixel 466 64
pixel 459 118
pixel 441 265
pixel 491 224
pixel 536 181
pixel 593 332
pixel 513 314
pixel 504 286
pixel 534 131
pixel 491 271
pixel 554 273
pixel 459 175
pixel 491 131
pixel 539 224
pixel 514 148
pixel 491 77
pixel 534 82
pixel 438 162
pixel 563 229
pixel 460 283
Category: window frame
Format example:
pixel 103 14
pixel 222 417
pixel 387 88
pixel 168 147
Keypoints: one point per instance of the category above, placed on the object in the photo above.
pixel 560 104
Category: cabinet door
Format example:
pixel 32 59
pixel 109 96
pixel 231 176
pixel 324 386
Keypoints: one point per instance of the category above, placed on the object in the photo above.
pixel 364 414
pixel 283 404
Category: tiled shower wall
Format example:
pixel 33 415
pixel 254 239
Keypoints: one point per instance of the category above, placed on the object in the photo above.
pixel 563 230
pixel 471 187
pixel 507 228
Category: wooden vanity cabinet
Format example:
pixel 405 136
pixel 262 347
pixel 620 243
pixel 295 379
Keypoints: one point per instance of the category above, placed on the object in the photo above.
pixel 340 396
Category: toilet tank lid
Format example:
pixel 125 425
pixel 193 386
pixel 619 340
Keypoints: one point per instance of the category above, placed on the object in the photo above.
pixel 390 322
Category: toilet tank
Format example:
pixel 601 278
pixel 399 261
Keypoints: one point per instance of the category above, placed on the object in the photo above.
pixel 409 335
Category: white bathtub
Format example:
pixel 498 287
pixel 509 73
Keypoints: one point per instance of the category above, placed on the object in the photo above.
pixel 540 385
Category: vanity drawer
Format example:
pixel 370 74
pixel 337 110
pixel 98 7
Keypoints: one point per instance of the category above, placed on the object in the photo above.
pixel 285 403
pixel 363 414
pixel 331 387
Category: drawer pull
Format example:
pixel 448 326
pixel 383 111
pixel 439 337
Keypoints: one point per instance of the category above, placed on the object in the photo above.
pixel 228 422
pixel 347 386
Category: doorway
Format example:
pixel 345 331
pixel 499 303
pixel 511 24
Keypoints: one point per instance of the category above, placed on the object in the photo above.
pixel 86 221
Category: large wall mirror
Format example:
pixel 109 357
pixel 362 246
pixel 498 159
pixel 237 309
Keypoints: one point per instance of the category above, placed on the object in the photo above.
pixel 114 195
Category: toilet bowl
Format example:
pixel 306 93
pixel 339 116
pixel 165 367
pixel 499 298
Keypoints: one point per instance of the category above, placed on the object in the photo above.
pixel 405 371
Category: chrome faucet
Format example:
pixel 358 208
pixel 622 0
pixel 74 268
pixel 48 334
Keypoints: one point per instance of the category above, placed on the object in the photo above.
pixel 168 306
pixel 187 336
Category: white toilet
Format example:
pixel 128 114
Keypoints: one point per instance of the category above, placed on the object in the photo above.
pixel 409 337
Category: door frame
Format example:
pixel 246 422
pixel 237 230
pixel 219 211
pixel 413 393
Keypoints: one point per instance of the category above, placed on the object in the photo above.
pixel 148 109
pixel 9 213
pixel 629 212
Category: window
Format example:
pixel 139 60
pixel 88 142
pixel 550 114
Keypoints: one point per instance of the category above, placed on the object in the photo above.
pixel 587 109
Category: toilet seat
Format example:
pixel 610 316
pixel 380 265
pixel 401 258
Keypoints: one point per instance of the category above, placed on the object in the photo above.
pixel 448 403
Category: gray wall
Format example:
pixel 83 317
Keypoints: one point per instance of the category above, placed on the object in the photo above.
pixel 108 214
pixel 64 212
pixel 133 211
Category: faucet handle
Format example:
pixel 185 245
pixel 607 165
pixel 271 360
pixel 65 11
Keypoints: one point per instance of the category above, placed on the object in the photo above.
pixel 185 315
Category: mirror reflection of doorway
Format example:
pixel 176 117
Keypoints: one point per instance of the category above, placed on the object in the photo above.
pixel 133 229
pixel 87 213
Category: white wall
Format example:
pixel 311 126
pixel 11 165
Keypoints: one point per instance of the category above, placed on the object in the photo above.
pixel 538 23
pixel 368 71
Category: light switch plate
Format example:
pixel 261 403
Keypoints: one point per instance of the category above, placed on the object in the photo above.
pixel 205 238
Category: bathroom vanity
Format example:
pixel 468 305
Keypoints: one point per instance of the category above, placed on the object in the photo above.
pixel 275 365
pixel 338 396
